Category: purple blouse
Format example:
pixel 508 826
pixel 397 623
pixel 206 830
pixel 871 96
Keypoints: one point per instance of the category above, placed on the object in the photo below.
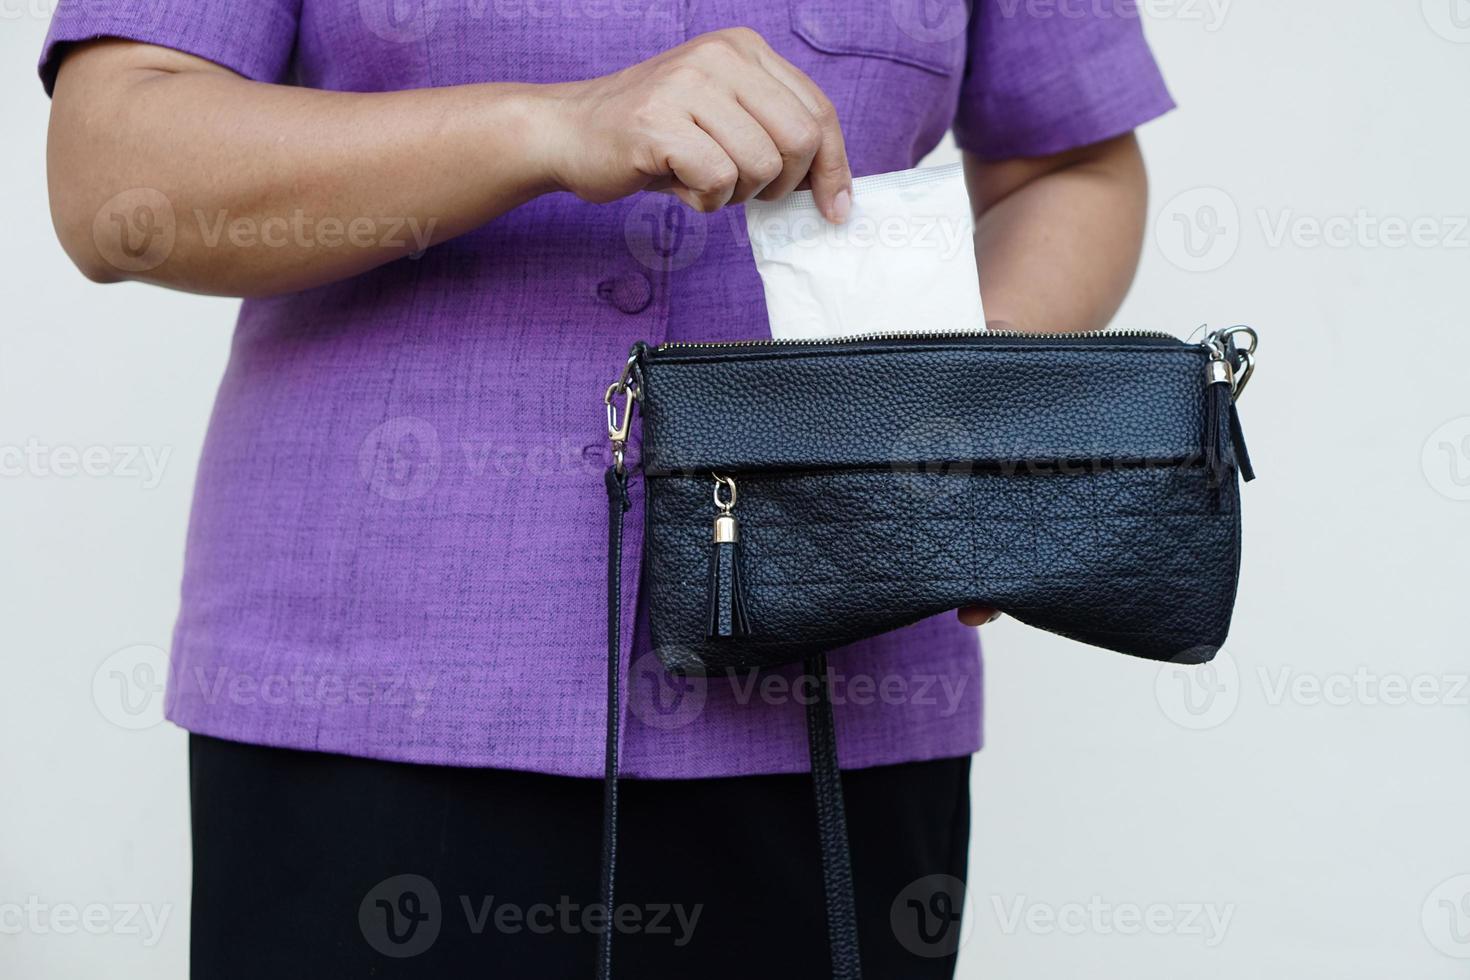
pixel 397 542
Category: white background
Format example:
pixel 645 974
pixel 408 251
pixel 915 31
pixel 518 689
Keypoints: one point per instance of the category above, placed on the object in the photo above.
pixel 1298 789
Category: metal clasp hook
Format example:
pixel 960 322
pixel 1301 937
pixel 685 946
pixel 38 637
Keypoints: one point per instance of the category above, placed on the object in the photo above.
pixel 619 422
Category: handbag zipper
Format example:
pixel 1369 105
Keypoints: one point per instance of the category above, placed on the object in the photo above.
pixel 915 335
pixel 1230 377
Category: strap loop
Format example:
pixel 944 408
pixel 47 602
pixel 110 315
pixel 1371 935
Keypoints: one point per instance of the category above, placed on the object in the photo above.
pixel 842 932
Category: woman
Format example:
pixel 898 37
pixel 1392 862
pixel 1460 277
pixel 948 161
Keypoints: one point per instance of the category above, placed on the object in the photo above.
pixel 389 645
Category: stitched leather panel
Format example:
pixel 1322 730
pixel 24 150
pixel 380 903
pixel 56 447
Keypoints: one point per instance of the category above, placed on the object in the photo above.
pixel 986 401
pixel 1141 560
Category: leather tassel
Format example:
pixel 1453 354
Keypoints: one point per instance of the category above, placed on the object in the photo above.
pixel 727 616
pixel 1237 442
pixel 1217 414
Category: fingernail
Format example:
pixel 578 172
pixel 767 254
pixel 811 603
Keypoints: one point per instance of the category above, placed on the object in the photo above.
pixel 992 617
pixel 841 206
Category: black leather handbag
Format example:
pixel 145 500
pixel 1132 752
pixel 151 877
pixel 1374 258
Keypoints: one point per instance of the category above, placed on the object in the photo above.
pixel 802 495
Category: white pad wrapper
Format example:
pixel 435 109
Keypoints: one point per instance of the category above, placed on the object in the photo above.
pixel 903 262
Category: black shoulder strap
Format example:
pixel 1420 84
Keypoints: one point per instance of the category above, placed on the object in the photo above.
pixel 842 933
pixel 617 506
pixel 821 740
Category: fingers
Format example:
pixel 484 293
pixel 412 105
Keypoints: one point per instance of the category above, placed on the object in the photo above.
pixel 792 130
pixel 775 127
pixel 978 615
pixel 830 175
pixel 748 144
pixel 704 175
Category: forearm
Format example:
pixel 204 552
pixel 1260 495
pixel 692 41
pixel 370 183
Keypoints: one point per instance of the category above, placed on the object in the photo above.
pixel 1057 241
pixel 274 188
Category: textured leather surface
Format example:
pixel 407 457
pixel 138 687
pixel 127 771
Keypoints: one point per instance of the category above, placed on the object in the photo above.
pixel 1134 548
pixel 876 404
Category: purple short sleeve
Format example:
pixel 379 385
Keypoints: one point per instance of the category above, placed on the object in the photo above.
pixel 1047 75
pixel 251 37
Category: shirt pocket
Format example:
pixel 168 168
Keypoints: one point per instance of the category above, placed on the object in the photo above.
pixel 927 34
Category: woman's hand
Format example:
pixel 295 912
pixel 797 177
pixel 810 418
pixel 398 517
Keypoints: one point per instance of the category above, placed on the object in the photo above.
pixel 718 120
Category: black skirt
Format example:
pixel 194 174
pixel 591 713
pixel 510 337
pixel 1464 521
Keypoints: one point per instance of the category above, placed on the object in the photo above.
pixel 316 865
